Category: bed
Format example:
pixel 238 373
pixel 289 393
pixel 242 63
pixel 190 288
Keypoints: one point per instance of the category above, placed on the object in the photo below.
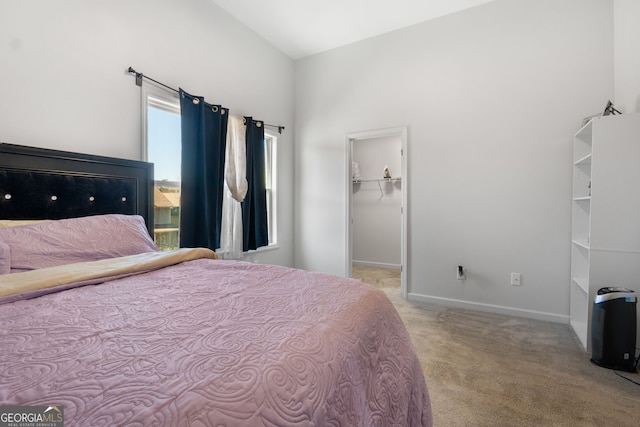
pixel 96 321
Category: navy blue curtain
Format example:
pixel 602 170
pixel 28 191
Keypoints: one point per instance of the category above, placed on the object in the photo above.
pixel 204 130
pixel 254 207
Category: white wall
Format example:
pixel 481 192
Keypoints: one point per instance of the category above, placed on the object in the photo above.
pixel 627 67
pixel 64 86
pixel 626 55
pixel 376 212
pixel 491 97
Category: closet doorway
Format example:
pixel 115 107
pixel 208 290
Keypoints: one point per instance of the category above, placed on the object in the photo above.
pixel 376 204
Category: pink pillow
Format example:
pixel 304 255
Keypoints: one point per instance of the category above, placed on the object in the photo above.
pixel 67 241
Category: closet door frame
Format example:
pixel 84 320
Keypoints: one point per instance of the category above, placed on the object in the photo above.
pixel 350 138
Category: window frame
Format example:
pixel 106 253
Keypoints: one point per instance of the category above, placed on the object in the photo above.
pixel 169 101
pixel 157 97
pixel 162 99
pixel 271 167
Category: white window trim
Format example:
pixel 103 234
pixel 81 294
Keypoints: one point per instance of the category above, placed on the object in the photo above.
pixel 273 230
pixel 157 97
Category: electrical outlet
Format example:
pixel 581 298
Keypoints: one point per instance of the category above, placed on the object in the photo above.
pixel 460 273
pixel 516 279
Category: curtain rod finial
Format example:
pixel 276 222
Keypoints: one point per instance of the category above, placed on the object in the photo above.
pixel 138 76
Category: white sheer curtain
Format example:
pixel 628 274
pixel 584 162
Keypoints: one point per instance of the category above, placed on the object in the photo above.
pixel 235 189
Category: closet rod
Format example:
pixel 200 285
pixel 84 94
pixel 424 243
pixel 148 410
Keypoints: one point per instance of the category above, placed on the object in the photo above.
pixel 140 76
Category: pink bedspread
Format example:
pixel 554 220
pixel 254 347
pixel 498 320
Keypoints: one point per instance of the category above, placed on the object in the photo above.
pixel 214 343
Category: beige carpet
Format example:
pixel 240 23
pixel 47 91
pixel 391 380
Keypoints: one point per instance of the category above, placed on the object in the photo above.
pixel 493 370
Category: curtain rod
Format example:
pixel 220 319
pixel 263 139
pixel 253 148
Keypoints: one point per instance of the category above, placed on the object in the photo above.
pixel 140 76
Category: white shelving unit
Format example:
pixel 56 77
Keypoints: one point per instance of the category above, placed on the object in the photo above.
pixel 605 234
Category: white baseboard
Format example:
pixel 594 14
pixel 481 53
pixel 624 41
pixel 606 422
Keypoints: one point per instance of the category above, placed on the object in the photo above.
pixel 376 264
pixel 490 308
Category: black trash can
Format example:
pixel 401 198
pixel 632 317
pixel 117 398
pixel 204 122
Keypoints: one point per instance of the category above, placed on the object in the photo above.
pixel 613 329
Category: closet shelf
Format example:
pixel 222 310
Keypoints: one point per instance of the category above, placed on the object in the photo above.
pixel 356 181
pixel 378 180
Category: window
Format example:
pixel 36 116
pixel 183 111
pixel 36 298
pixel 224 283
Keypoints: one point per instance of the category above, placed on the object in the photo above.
pixel 270 159
pixel 162 148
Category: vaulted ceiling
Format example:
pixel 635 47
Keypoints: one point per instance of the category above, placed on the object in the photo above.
pixel 301 28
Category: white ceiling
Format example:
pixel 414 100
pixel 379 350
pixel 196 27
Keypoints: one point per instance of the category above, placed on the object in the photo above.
pixel 304 27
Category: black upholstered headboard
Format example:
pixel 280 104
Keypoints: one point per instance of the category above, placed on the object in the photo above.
pixel 37 183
